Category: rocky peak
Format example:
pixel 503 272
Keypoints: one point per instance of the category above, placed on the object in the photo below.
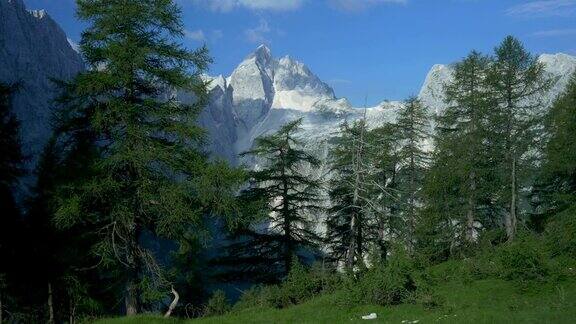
pixel 262 55
pixel 33 51
pixel 559 66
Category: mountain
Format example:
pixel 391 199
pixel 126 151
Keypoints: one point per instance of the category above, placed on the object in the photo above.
pixel 558 66
pixel 33 51
pixel 263 93
pixel 259 96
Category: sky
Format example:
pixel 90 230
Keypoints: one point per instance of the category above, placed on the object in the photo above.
pixel 375 49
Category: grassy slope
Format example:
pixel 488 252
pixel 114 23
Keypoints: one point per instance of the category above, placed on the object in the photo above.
pixel 483 301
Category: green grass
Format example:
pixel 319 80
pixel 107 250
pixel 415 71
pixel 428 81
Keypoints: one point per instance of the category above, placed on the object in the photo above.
pixel 482 301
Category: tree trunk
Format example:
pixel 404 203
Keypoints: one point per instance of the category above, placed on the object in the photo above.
pixel 470 217
pixel 1 309
pixel 288 248
pixel 350 254
pixel 355 247
pixel 134 261
pixel 50 304
pixel 131 297
pixel 173 304
pixel 72 311
pixel 511 218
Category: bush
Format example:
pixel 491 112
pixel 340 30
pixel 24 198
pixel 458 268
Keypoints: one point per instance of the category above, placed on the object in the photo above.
pixel 300 285
pixel 217 304
pixel 259 297
pixel 523 259
pixel 560 234
pixel 390 283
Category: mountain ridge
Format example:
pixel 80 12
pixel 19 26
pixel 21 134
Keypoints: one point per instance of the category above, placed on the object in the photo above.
pixel 33 51
pixel 261 105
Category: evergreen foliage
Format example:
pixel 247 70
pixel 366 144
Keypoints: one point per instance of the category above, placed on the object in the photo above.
pixel 555 189
pixel 283 202
pixel 149 177
pixel 11 168
pixel 459 184
pixel 517 82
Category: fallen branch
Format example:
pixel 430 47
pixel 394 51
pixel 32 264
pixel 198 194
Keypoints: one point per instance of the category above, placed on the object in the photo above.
pixel 173 304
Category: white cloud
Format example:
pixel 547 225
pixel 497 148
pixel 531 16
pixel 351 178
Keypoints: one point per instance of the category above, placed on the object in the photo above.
pixel 278 5
pixel 202 36
pixel 555 33
pixel 272 5
pixel 196 35
pixel 544 8
pixel 259 33
pixel 361 5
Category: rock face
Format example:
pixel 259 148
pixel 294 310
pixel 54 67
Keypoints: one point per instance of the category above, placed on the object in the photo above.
pixel 260 95
pixel 34 50
pixel 558 66
pixel 264 93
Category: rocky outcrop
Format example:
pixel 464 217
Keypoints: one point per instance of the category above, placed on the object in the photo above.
pixel 559 67
pixel 33 51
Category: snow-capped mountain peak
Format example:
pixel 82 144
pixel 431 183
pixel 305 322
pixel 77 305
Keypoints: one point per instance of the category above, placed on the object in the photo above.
pixel 262 82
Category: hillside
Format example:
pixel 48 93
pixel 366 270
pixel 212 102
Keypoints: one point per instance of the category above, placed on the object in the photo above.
pixel 482 301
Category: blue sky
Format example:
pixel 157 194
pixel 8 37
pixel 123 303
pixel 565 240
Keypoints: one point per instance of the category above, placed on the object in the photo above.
pixel 376 48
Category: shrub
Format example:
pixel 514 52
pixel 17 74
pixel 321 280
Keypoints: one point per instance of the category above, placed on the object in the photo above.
pixel 217 304
pixel 390 283
pixel 300 285
pixel 560 234
pixel 523 259
pixel 259 297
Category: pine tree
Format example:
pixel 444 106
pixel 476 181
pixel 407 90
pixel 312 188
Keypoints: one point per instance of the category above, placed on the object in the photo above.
pixel 518 82
pixel 288 199
pixel 149 175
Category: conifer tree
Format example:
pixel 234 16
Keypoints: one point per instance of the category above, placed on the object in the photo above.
pixel 348 223
pixel 288 199
pixel 384 188
pixel 149 175
pixel 413 130
pixel 363 189
pixel 464 126
pixel 555 189
pixel 457 186
pixel 11 168
pixel 518 82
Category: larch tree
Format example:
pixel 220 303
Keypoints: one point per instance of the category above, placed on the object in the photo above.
pixel 555 190
pixel 290 199
pixel 466 118
pixel 149 175
pixel 413 127
pixel 348 220
pixel 518 82
pixel 11 168
pixel 457 184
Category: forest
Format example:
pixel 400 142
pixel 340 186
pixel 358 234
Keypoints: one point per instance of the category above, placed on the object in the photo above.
pixel 127 200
